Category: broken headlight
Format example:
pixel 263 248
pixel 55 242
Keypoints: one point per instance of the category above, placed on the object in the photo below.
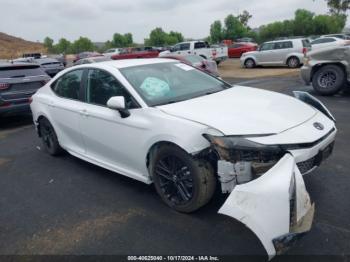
pixel 242 160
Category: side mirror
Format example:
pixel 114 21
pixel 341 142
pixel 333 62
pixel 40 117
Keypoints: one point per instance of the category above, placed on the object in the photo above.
pixel 118 103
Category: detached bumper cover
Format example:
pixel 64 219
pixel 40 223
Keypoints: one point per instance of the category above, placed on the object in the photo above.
pixel 276 206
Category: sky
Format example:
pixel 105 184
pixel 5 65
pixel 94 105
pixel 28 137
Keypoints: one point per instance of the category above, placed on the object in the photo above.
pixel 100 19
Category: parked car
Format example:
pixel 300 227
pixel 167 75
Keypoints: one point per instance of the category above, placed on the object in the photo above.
pixel 85 55
pixel 61 58
pixel 90 60
pixel 136 53
pixel 238 49
pixel 324 42
pixel 164 122
pixel 198 62
pixel 200 48
pixel 327 69
pixel 50 65
pixel 112 51
pixel 18 82
pixel 341 36
pixel 31 55
pixel 285 52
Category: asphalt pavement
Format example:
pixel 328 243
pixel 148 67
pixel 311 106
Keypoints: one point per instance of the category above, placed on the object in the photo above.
pixel 63 205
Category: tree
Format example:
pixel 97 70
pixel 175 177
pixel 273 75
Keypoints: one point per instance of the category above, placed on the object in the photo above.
pixel 234 28
pixel 48 43
pixel 120 40
pixel 63 46
pixel 216 33
pixel 81 45
pixel 244 18
pixel 338 7
pixel 303 22
pixel 158 37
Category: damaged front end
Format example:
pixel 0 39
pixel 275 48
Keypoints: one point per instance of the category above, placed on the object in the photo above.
pixel 267 191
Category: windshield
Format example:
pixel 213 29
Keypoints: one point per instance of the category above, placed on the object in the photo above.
pixel 164 83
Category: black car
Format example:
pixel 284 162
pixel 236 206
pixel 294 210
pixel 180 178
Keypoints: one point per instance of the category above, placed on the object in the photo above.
pixel 18 82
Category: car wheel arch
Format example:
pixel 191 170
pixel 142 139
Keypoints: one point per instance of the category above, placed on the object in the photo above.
pixel 153 150
pixel 293 56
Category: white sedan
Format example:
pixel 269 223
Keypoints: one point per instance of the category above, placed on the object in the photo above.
pixel 324 42
pixel 163 122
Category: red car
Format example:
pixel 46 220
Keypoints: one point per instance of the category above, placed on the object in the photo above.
pixel 130 53
pixel 208 66
pixel 236 50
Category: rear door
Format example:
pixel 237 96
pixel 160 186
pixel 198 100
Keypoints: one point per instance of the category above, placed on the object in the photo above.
pixel 66 108
pixel 281 51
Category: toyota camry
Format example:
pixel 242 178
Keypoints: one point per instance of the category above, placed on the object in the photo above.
pixel 164 122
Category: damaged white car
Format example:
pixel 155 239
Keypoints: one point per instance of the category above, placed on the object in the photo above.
pixel 163 122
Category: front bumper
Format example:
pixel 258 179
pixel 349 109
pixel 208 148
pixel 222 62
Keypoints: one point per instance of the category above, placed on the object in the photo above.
pixel 276 206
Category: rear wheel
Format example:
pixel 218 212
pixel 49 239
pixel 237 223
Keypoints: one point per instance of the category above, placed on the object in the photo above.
pixel 328 80
pixel 185 184
pixel 293 62
pixel 49 137
pixel 249 63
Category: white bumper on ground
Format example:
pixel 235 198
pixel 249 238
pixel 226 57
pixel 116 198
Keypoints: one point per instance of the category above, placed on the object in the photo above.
pixel 276 206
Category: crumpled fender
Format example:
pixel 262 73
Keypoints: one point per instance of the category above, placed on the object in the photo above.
pixel 263 205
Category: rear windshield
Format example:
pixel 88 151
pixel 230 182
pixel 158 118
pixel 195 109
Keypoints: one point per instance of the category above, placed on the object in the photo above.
pixel 13 72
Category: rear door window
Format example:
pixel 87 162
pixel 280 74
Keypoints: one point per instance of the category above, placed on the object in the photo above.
pixel 69 85
pixel 267 46
pixel 283 45
pixel 199 45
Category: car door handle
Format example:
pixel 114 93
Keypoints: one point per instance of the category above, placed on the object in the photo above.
pixel 84 113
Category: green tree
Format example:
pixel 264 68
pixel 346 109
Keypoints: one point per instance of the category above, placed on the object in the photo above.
pixel 244 17
pixel 81 45
pixel 157 37
pixel 303 22
pixel 338 7
pixel 216 32
pixel 63 46
pixel 120 40
pixel 48 43
pixel 234 28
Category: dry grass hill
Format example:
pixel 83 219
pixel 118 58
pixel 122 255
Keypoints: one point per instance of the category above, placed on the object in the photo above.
pixel 13 47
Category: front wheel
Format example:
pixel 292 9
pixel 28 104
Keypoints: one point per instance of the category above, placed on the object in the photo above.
pixel 249 63
pixel 293 62
pixel 185 184
pixel 328 80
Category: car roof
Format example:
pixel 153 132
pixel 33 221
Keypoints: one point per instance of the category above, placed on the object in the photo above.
pixel 119 64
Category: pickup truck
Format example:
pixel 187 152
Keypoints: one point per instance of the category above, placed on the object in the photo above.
pixel 200 48
pixel 131 53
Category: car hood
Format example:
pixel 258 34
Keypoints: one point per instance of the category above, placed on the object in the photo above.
pixel 243 111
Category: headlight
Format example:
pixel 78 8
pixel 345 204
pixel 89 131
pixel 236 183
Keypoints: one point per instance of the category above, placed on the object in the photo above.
pixel 242 149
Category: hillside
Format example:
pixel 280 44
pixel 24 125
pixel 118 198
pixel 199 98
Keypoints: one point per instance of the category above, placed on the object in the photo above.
pixel 13 47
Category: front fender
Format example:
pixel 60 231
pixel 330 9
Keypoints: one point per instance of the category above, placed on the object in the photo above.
pixel 276 206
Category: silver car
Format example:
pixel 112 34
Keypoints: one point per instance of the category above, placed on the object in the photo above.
pixel 288 52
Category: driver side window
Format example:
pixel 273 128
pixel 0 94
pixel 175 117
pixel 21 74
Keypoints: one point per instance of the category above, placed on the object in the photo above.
pixel 101 86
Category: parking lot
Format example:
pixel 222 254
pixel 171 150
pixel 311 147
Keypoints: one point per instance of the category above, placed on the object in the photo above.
pixel 67 206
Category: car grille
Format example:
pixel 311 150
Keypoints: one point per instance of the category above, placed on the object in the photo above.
pixel 307 165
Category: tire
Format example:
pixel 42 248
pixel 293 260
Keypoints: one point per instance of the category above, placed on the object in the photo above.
pixel 328 80
pixel 293 62
pixel 49 138
pixel 249 63
pixel 186 185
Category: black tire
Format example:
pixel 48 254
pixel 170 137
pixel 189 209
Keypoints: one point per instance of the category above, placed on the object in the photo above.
pixel 293 62
pixel 249 63
pixel 186 185
pixel 328 80
pixel 49 138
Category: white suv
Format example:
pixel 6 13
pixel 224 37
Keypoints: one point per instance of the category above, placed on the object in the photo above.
pixel 288 52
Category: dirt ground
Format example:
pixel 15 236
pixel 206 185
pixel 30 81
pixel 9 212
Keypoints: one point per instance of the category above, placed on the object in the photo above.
pixel 231 68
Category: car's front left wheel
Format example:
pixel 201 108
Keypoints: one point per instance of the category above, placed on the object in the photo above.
pixel 184 183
